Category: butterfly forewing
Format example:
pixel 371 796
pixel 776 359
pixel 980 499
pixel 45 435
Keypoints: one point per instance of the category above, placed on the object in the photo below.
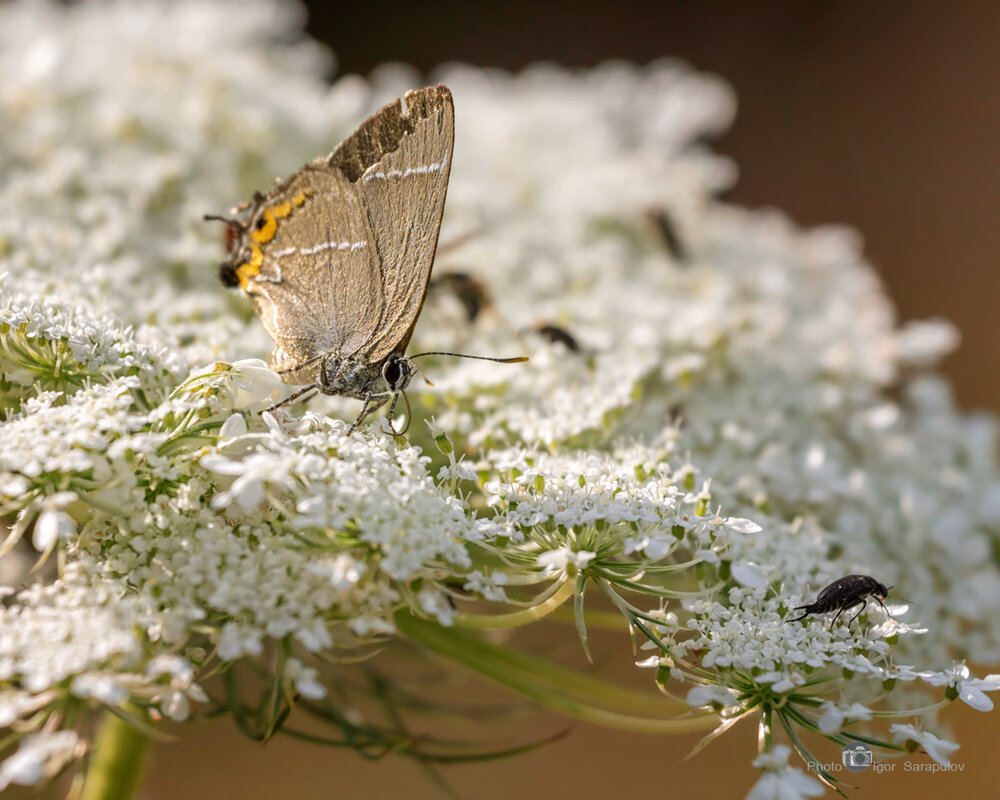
pixel 399 161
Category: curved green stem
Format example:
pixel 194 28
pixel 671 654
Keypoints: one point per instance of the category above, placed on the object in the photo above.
pixel 516 618
pixel 116 766
pixel 568 692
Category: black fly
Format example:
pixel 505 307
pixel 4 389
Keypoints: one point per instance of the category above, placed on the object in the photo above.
pixel 845 593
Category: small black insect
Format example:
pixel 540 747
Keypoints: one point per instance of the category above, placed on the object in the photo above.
pixel 556 335
pixel 468 290
pixel 667 230
pixel 845 593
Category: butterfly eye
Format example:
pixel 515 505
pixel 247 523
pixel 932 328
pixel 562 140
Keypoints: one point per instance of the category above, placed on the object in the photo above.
pixel 228 276
pixel 393 373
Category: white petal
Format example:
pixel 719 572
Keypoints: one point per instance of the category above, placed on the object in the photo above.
pixel 51 526
pixel 741 525
pixel 749 575
pixel 972 696
pixel 236 425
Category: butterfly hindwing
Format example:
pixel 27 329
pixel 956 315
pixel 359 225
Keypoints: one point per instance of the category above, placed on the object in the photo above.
pixel 311 238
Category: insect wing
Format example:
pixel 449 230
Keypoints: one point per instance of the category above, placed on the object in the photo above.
pixel 338 257
pixel 399 160
pixel 316 289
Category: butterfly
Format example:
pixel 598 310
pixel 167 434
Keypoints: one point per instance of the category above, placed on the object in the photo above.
pixel 337 258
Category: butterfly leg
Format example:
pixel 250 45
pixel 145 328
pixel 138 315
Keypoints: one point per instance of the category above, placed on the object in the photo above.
pixel 372 404
pixel 388 417
pixel 295 397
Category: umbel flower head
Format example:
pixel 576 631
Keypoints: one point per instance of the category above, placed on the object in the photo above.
pixel 734 421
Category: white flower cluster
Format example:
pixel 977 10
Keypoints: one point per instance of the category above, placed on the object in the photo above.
pixel 629 503
pixel 729 420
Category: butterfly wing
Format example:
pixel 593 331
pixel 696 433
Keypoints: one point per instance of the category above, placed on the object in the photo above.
pixel 338 257
pixel 400 160
pixel 315 253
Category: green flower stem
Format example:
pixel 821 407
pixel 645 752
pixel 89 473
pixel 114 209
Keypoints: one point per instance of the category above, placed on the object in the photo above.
pixel 116 766
pixel 551 686
pixel 598 620
pixel 517 618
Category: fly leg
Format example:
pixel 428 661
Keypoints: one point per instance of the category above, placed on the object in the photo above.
pixel 864 604
pixel 844 608
pixel 886 610
pixel 809 609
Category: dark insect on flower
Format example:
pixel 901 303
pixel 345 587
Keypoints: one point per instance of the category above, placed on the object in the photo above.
pixel 469 291
pixel 845 593
pixel 667 230
pixel 556 335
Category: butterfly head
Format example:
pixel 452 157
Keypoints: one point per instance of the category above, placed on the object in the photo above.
pixel 238 226
pixel 396 372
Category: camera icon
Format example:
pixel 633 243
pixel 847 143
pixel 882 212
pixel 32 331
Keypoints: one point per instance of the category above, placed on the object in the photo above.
pixel 857 756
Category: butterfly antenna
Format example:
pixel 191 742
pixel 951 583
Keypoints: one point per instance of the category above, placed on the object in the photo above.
pixel 515 360
pixel 217 218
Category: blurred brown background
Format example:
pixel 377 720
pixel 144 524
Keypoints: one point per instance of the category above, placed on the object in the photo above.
pixel 881 115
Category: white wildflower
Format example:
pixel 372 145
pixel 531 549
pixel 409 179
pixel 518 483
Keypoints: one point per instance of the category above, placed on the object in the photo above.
pixel 490 586
pixel 39 756
pixel 972 691
pixel 238 640
pixel 558 561
pixel 304 679
pixel 233 427
pixel 436 604
pixel 101 686
pixel 780 781
pixel 834 715
pixel 937 748
pixel 53 522
pixel 749 574
pixel 740 425
pixel 711 695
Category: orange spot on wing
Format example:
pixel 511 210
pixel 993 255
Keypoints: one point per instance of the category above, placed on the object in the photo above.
pixel 264 232
pixel 248 269
pixel 267 225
